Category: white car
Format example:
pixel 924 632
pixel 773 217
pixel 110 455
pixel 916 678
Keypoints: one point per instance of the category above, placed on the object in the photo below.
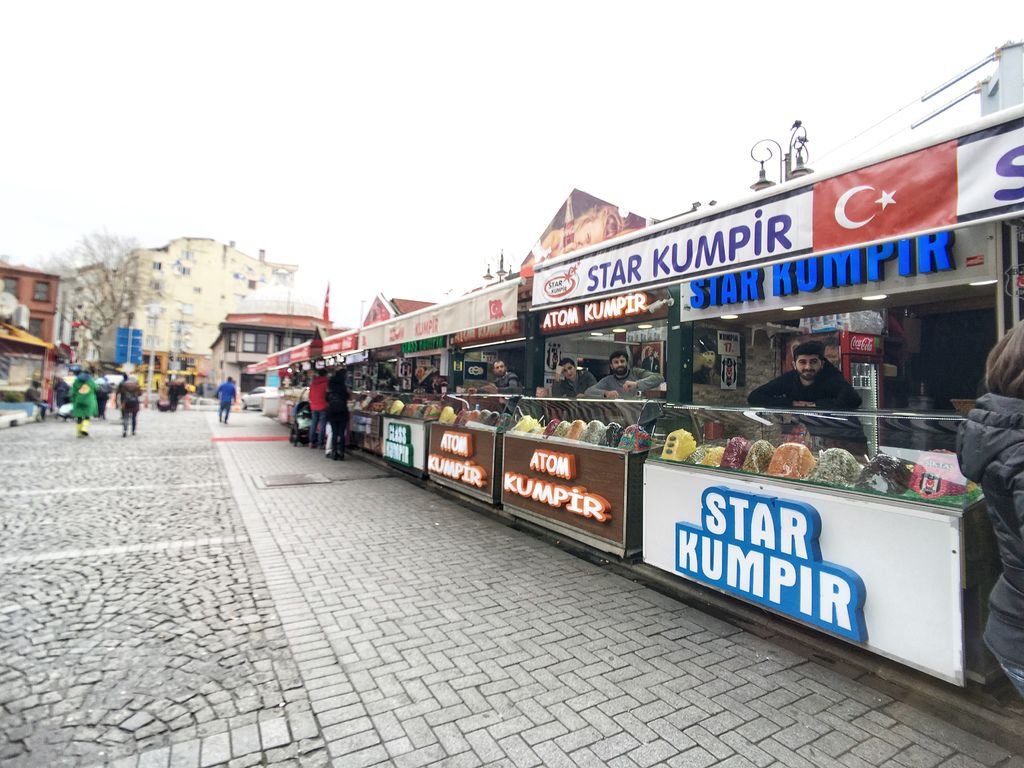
pixel 254 398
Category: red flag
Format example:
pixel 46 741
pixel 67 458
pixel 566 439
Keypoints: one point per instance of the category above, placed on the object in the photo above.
pixel 888 200
pixel 327 304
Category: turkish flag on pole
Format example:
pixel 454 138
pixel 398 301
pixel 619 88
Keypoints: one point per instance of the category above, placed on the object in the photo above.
pixel 886 201
pixel 327 304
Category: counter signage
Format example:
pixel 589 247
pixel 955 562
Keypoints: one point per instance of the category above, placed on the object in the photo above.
pixel 574 499
pixel 454 458
pixel 506 330
pixel 398 446
pixel 766 549
pixel 910 258
pixel 607 310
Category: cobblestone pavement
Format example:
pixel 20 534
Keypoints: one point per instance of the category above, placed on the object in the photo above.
pixel 162 605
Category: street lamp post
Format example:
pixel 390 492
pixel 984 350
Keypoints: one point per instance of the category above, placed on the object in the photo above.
pixel 792 161
pixel 501 272
pixel 285 277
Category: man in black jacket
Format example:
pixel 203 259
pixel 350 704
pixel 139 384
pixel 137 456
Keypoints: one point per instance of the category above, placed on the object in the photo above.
pixel 813 383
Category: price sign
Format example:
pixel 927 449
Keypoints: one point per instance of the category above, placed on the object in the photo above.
pixel 728 344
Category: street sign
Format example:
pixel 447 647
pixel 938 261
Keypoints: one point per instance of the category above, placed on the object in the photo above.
pixel 128 346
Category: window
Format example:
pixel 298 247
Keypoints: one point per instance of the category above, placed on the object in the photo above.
pixel 157 266
pixel 157 285
pixel 254 342
pixel 186 309
pixel 232 341
pixel 197 289
pixel 42 291
pixel 187 255
pixel 11 285
pixel 252 285
pixel 182 270
pixel 278 342
pixel 35 327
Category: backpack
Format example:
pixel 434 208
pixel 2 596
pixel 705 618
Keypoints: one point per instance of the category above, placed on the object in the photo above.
pixel 130 399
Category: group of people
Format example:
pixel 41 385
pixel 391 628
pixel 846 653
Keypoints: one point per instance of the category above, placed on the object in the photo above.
pixel 623 381
pixel 88 397
pixel 328 402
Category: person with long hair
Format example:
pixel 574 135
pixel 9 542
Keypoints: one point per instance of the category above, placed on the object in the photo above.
pixel 990 446
pixel 337 413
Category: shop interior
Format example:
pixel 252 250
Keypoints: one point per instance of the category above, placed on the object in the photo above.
pixel 645 342
pixel 932 358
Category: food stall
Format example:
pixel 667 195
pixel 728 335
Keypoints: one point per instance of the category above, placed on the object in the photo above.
pixel 889 549
pixel 405 432
pixel 574 467
pixel 465 450
pixel 366 420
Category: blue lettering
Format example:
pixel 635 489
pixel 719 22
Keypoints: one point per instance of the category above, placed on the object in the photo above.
pixel 782 279
pixel 843 268
pixel 678 266
pixel 634 268
pixel 808 276
pixel 618 274
pixel 935 252
pixel 905 257
pixel 752 285
pixel 758 227
pixel 738 237
pixel 660 266
pixel 1007 166
pixel 778 226
pixel 699 297
pixel 766 550
pixel 729 290
pixel 592 279
pixel 710 252
pixel 877 256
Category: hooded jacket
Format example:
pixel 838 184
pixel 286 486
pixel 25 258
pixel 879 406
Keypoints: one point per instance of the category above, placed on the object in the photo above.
pixel 83 397
pixel 990 446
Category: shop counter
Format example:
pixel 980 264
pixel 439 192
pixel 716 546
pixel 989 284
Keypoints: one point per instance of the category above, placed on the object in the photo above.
pixel 575 467
pixel 466 444
pixel 365 430
pixel 892 552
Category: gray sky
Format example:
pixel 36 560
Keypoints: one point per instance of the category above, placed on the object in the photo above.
pixel 397 147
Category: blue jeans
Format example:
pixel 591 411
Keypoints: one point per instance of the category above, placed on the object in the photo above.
pixel 317 427
pixel 1016 675
pixel 225 409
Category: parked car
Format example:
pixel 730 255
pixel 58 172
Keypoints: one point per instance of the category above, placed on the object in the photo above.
pixel 254 398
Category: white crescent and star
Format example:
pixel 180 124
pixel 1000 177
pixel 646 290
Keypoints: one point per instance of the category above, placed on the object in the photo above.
pixel 887 199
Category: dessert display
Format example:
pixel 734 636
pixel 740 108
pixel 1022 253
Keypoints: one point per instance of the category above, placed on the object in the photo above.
pixel 526 424
pixel 549 430
pixel 735 453
pixel 635 438
pixel 713 456
pixel 562 430
pixel 758 457
pixel 793 460
pixel 885 474
pixel 836 466
pixel 447 415
pixel 576 429
pixel 396 408
pixel 678 445
pixel 936 474
pixel 612 434
pixel 594 433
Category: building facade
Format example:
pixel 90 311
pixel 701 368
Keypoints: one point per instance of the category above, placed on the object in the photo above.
pixel 190 285
pixel 36 290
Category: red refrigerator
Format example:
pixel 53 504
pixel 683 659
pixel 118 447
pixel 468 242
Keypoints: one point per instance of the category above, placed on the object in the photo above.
pixel 862 356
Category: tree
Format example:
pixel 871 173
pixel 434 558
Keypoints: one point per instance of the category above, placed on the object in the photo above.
pixel 105 287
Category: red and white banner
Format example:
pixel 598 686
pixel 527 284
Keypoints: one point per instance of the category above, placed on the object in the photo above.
pixel 975 173
pixel 911 193
pixel 341 343
pixel 487 307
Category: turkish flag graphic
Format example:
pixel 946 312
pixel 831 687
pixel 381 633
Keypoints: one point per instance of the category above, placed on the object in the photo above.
pixel 888 200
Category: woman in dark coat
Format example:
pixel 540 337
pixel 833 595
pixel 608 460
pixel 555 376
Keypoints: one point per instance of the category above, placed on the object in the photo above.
pixel 337 413
pixel 990 447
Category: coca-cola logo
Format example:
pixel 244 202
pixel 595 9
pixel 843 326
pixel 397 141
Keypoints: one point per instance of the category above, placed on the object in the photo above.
pixel 561 285
pixel 862 343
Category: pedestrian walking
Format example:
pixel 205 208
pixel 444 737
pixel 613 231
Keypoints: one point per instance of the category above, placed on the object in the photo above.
pixel 318 408
pixel 103 390
pixel 337 413
pixel 175 391
pixel 83 402
pixel 990 446
pixel 61 394
pixel 127 398
pixel 227 393
pixel 34 395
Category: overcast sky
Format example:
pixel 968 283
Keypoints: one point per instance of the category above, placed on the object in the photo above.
pixel 397 147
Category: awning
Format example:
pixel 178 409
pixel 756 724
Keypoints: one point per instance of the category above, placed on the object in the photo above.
pixel 13 334
pixel 966 176
pixel 341 343
pixel 486 307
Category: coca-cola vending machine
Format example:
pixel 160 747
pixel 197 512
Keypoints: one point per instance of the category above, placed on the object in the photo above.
pixel 862 357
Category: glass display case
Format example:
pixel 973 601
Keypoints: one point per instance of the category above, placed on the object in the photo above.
pixel 858 524
pixel 465 448
pixel 575 467
pixel 888 454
